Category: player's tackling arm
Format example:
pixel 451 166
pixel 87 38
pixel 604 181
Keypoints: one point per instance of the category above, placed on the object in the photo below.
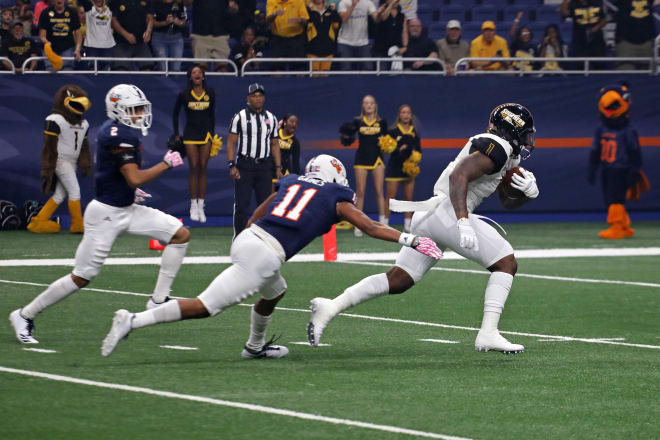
pixel 261 209
pixel 359 219
pixel 470 168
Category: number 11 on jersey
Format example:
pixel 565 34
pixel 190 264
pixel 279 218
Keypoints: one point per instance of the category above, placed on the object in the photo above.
pixel 294 213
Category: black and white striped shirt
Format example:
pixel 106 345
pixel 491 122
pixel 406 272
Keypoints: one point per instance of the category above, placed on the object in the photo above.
pixel 255 131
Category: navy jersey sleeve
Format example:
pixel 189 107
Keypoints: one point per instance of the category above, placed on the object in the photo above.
pixel 594 153
pixel 491 148
pixel 634 151
pixel 345 194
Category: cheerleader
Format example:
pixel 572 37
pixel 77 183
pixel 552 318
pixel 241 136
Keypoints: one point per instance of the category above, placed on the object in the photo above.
pixel 198 137
pixel 289 146
pixel 369 127
pixel 402 166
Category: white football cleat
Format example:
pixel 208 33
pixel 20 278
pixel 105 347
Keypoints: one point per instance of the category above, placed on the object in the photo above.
pixel 268 351
pixel 23 327
pixel 493 341
pixel 357 232
pixel 121 327
pixel 151 304
pixel 200 212
pixel 323 310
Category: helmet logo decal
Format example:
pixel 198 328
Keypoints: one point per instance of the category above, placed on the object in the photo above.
pixel 335 163
pixel 512 118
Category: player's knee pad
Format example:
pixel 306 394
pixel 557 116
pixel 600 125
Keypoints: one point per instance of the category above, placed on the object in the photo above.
pixel 273 289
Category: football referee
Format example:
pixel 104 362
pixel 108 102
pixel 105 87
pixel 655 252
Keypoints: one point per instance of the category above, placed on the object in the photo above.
pixel 252 150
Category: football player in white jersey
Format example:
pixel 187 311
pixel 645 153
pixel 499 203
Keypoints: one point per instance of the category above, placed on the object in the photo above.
pixel 115 209
pixel 65 149
pixel 447 218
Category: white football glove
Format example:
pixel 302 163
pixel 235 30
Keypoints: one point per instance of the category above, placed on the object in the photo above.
pixel 526 183
pixel 173 159
pixel 141 196
pixel 468 238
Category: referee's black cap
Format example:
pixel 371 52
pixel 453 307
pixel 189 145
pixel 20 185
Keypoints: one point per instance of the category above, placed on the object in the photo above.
pixel 256 87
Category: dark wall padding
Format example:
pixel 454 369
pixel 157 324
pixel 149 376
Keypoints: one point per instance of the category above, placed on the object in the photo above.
pixel 563 107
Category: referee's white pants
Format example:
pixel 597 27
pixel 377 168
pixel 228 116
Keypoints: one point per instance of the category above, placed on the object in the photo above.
pixel 67 182
pixel 255 268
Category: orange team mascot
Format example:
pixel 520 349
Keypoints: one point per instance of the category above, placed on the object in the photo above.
pixel 65 149
pixel 616 151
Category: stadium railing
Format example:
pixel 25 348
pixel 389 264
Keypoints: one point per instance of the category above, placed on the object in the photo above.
pixel 13 68
pixel 382 66
pixel 587 66
pixel 80 69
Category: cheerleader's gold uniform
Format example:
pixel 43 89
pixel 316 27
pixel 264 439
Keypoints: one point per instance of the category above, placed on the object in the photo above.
pixel 368 155
pixel 289 154
pixel 200 116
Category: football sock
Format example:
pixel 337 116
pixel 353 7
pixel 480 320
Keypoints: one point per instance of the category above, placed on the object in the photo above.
pixel 369 288
pixel 384 220
pixel 168 312
pixel 169 266
pixel 497 290
pixel 258 326
pixel 55 293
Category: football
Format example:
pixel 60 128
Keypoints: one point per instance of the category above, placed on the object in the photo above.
pixel 508 190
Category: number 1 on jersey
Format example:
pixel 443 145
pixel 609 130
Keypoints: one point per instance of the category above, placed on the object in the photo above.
pixel 294 213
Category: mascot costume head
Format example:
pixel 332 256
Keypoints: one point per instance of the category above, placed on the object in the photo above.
pixel 70 102
pixel 614 105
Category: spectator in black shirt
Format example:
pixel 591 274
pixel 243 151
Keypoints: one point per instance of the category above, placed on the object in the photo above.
pixel 322 29
pixel 588 22
pixel 635 31
pixel 169 25
pixel 132 21
pixel 249 48
pixel 59 26
pixel 210 32
pixel 521 44
pixel 419 46
pixel 392 31
pixel 18 49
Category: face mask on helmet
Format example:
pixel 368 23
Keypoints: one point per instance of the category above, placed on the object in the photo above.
pixel 127 105
pixel 327 168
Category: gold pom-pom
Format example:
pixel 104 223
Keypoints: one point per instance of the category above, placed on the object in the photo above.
pixel 387 144
pixel 415 157
pixel 410 168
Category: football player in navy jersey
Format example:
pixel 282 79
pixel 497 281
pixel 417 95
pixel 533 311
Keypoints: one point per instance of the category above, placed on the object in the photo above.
pixel 302 208
pixel 113 210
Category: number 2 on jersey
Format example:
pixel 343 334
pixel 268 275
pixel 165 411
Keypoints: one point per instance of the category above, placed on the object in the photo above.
pixel 294 213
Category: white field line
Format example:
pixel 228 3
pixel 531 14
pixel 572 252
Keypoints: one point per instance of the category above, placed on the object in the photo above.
pixel 40 350
pixel 523 275
pixel 440 341
pixel 345 257
pixel 227 403
pixel 379 318
pixel 307 343
pixel 178 347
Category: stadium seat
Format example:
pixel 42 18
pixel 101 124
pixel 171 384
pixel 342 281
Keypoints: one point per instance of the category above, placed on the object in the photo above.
pixel 452 12
pixel 483 13
pixel 471 30
pixel 526 4
pixel 548 13
pixel 511 13
pixel 436 31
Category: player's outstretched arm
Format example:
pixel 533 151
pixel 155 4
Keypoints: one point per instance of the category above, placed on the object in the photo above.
pixel 261 209
pixel 136 177
pixel 359 219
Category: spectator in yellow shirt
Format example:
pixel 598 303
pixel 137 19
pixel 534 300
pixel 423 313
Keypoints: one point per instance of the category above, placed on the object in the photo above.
pixel 288 20
pixel 488 45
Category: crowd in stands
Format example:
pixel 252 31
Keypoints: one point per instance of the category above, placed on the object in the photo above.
pixel 240 30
